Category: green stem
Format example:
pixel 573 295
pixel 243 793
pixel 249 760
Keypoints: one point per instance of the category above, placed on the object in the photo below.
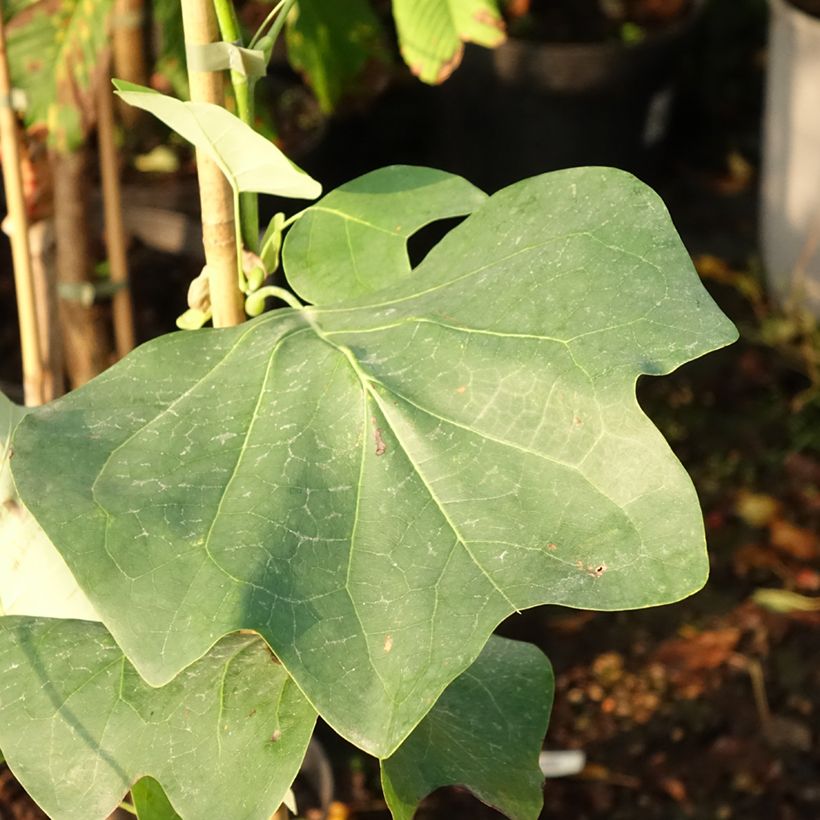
pixel 243 89
pixel 287 5
pixel 260 32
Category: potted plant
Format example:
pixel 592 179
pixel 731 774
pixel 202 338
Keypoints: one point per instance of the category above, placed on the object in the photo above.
pixel 790 223
pixel 588 82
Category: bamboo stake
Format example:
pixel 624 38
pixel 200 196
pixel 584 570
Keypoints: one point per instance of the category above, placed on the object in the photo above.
pixel 115 239
pixel 218 219
pixel 42 246
pixel 33 378
pixel 128 44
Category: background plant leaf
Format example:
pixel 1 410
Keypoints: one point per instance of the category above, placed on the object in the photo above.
pixel 432 33
pixel 249 161
pixel 225 738
pixel 485 732
pixel 332 43
pixel 354 240
pixel 373 487
pixel 58 54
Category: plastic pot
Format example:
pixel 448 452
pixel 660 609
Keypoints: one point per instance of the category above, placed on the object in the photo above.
pixel 790 189
pixel 529 106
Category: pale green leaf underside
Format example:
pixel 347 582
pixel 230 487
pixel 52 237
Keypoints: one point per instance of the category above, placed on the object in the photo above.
pixel 78 726
pixel 485 732
pixel 10 415
pixel 374 487
pixel 432 33
pixel 34 578
pixel 354 240
pixel 249 161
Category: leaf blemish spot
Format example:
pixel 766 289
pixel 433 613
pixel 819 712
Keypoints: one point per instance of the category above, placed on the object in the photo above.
pixel 461 389
pixel 597 571
pixel 388 643
pixel 381 447
pixel 577 421
pixel 552 547
pixel 276 735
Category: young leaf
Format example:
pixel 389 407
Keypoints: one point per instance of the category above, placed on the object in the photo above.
pixel 354 240
pixel 56 51
pixel 485 732
pixel 151 802
pixel 78 725
pixel 332 43
pixel 432 33
pixel 373 487
pixel 249 161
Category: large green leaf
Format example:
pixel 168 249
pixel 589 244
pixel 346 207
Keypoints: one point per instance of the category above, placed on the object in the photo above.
pixel 485 732
pixel 332 42
pixel 57 54
pixel 249 161
pixel 432 33
pixel 78 726
pixel 354 240
pixel 374 486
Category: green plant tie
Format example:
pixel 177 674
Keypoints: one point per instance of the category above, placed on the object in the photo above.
pixel 249 62
pixel 86 293
pixel 16 100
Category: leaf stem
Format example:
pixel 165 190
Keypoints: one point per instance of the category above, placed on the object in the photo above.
pixel 260 32
pixel 243 89
pixel 126 806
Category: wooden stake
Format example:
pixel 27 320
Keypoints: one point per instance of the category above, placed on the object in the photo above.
pixel 215 194
pixel 128 43
pixel 115 237
pixel 23 280
pixel 86 333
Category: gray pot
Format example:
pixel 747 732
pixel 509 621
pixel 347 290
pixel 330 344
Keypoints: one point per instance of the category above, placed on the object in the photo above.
pixel 790 183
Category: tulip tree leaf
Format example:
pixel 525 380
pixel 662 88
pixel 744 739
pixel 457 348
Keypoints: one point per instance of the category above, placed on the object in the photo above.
pixel 332 44
pixel 432 33
pixel 354 240
pixel 250 162
pixel 485 732
pixel 375 486
pixel 78 725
